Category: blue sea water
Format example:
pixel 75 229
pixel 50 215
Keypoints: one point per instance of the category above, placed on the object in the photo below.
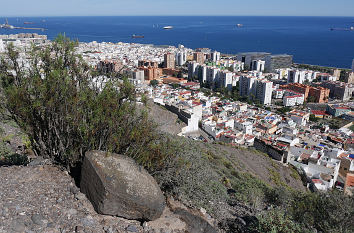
pixel 309 39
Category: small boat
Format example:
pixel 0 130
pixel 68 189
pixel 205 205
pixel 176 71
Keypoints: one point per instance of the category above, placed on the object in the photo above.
pixel 239 25
pixel 137 36
pixel 167 27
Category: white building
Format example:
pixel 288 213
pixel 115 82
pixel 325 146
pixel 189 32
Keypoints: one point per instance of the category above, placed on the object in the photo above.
pixel 258 65
pixel 2 47
pixel 244 126
pixel 212 75
pixel 181 58
pixel 264 91
pixel 296 76
pixel 215 56
pixel 192 69
pixel 225 80
pixel 202 73
pixel 260 89
pixel 279 93
pixel 292 98
pixel 248 86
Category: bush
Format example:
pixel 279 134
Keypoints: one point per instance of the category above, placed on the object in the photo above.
pixel 276 221
pixel 327 212
pixel 67 111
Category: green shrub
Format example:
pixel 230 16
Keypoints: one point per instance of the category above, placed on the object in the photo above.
pixel 275 221
pixel 67 111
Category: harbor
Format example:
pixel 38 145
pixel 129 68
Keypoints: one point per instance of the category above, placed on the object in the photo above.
pixel 6 25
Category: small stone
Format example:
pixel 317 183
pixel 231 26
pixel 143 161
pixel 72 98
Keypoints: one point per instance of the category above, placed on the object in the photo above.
pixel 88 221
pixel 72 212
pixel 50 225
pixel 108 230
pixel 79 229
pixel 18 226
pixel 80 196
pixel 132 228
pixel 74 189
pixel 38 219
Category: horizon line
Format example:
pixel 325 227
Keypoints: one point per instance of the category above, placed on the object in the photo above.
pixel 23 16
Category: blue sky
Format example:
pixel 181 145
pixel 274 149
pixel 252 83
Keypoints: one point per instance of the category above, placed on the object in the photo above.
pixel 176 7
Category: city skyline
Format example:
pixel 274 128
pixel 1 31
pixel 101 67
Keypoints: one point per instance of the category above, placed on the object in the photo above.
pixel 177 8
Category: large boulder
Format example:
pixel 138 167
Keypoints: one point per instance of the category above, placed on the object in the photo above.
pixel 117 186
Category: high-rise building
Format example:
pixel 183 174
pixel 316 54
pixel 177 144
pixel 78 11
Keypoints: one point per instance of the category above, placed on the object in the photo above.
pixel 169 61
pixel 192 70
pixel 264 91
pixel 254 88
pixel 181 58
pixel 248 86
pixel 2 47
pixel 248 57
pixel 202 73
pixel 350 78
pixel 258 65
pixel 296 76
pixel 215 56
pixel 199 57
pixel 225 80
pixel 212 76
pixel 339 90
pixel 273 62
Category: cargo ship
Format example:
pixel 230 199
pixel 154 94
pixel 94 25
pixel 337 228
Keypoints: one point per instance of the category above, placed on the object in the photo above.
pixel 137 36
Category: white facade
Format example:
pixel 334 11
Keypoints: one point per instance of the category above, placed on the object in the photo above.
pixel 192 69
pixel 292 98
pixel 257 88
pixel 258 65
pixel 247 86
pixel 225 80
pixel 215 56
pixel 264 91
pixel 202 73
pixel 212 75
pixel 244 126
pixel 181 58
pixel 296 76
pixel 2 47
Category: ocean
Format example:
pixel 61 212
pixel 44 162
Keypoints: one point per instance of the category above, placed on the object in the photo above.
pixel 308 39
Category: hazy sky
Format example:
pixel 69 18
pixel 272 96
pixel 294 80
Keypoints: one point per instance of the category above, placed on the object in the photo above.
pixel 176 7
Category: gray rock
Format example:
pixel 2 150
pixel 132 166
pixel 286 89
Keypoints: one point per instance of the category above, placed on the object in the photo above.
pixel 79 229
pixel 117 186
pixel 74 189
pixel 88 221
pixel 18 226
pixel 132 228
pixel 38 219
pixel 72 212
pixel 80 196
pixel 38 161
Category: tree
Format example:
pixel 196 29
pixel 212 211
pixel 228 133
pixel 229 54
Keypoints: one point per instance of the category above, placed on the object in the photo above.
pixel 154 83
pixel 67 111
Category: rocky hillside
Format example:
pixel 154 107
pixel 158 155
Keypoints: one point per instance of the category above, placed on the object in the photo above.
pixel 43 198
